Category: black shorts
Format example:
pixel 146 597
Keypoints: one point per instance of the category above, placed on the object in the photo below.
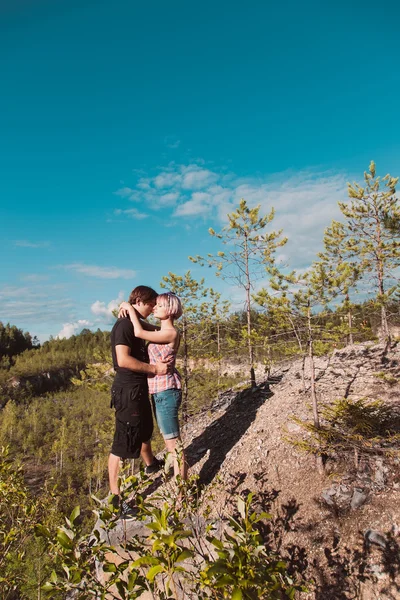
pixel 133 419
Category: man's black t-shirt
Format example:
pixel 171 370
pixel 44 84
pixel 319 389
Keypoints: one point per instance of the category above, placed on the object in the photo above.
pixel 123 334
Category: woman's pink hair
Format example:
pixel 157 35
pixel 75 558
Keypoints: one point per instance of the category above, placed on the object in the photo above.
pixel 171 303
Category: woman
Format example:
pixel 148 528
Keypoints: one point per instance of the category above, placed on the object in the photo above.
pixel 166 390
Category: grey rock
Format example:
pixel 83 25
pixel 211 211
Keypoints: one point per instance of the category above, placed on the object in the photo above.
pixel 375 537
pixel 358 499
pixel 380 473
pixel 328 496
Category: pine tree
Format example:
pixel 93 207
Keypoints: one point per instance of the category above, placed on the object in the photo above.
pixel 376 245
pixel 214 313
pixel 314 290
pixel 250 251
pixel 343 272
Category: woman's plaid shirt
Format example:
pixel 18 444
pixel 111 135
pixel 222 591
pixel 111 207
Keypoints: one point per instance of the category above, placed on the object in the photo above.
pixel 159 383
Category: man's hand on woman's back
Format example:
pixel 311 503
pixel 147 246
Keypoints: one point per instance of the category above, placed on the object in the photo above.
pixel 165 367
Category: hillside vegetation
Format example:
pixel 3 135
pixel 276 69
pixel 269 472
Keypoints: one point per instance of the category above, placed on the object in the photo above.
pixel 334 364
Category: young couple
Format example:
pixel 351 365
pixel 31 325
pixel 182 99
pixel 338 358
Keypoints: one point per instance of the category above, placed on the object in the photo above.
pixel 140 369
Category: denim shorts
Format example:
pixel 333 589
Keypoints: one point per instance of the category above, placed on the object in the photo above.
pixel 166 405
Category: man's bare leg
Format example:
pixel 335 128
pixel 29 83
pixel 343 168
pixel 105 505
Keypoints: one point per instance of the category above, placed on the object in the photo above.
pixel 147 453
pixel 126 511
pixel 114 465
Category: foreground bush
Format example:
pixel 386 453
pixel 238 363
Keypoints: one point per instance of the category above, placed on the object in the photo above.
pixel 182 556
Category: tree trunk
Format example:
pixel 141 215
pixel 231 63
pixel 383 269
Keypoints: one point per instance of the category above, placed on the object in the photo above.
pixel 296 334
pixel 218 355
pixel 384 324
pixel 314 399
pixel 248 311
pixel 381 288
pixel 349 321
pixel 303 366
pixel 312 384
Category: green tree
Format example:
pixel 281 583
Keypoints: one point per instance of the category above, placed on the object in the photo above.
pixel 311 293
pixel 376 246
pixel 14 341
pixel 250 251
pixel 19 513
pixel 343 273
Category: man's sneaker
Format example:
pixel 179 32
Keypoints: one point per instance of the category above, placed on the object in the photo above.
pixel 155 466
pixel 127 512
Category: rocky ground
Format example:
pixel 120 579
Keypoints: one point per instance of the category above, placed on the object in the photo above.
pixel 341 529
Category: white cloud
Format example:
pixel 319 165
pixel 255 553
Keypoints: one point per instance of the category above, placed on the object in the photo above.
pixel 168 199
pixel 196 178
pixel 167 179
pixel 70 329
pixel 101 272
pixel 197 205
pixel 305 202
pixel 124 192
pixel 28 244
pixel 34 304
pixel 133 213
pixel 144 184
pixel 103 311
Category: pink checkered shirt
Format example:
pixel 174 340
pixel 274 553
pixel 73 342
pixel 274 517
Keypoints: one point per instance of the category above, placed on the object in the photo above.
pixel 159 383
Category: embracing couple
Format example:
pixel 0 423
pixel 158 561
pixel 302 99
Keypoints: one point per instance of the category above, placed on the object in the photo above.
pixel 141 369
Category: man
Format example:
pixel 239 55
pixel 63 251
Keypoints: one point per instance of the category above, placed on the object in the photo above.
pixel 129 396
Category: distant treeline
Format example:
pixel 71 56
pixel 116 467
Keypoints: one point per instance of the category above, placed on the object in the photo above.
pixel 26 358
pixel 22 357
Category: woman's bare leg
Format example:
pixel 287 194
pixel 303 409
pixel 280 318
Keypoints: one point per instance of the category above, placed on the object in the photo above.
pixel 171 446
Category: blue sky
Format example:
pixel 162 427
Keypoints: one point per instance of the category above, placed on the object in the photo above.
pixel 127 129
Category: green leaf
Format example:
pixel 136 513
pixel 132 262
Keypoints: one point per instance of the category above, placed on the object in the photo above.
pixel 216 569
pixel 48 587
pixel 75 514
pixel 154 526
pixel 121 587
pixel 42 531
pixel 64 540
pixel 217 543
pixel 146 560
pixel 132 580
pixel 184 555
pixel 237 594
pixel 53 577
pixel 223 581
pixel 151 573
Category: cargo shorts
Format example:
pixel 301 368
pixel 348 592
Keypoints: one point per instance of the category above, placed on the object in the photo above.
pixel 133 419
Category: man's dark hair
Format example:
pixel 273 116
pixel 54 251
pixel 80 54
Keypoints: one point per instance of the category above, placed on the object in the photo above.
pixel 142 293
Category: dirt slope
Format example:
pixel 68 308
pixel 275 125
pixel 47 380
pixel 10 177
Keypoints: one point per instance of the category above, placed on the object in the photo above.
pixel 329 525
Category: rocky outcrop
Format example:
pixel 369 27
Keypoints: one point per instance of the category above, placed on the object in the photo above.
pixel 340 530
pixel 48 381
